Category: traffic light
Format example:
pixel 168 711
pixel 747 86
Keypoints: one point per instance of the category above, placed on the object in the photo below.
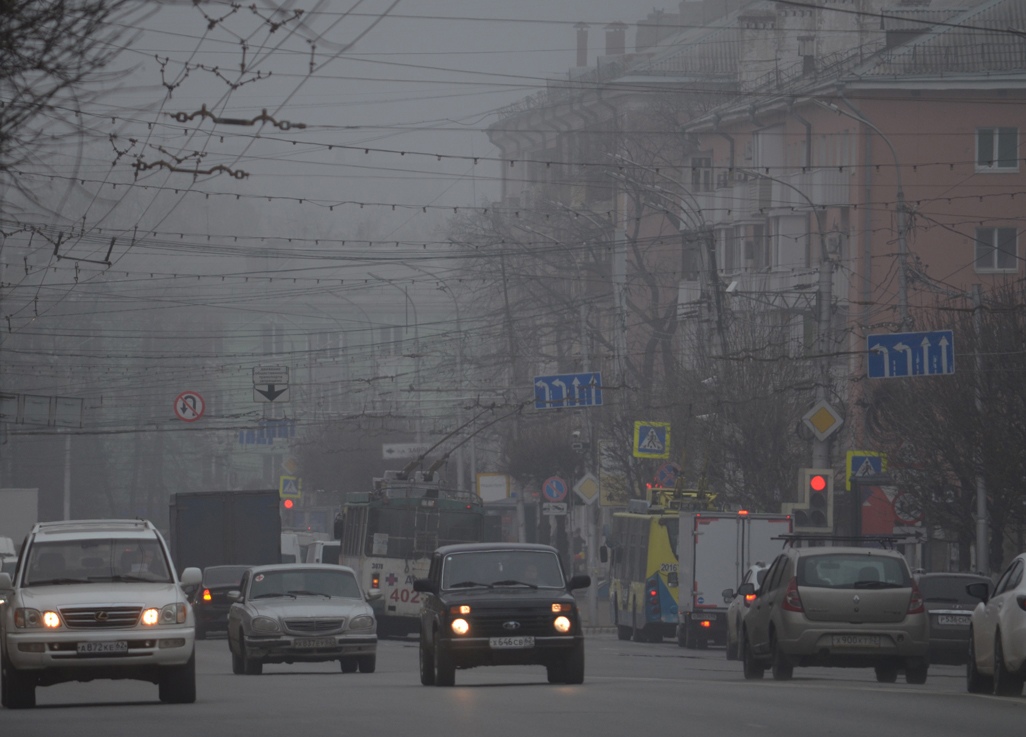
pixel 288 505
pixel 816 511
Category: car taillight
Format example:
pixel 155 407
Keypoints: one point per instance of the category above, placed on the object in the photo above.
pixel 792 600
pixel 749 598
pixel 375 580
pixel 915 603
pixel 206 595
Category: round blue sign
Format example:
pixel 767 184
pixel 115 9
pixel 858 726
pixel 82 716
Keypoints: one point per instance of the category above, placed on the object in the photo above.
pixel 554 489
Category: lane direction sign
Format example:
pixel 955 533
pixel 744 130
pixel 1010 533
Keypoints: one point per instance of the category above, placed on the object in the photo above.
pixel 897 355
pixel 568 390
pixel 270 383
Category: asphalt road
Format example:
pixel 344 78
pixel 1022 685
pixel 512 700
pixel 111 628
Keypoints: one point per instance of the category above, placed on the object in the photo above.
pixel 630 688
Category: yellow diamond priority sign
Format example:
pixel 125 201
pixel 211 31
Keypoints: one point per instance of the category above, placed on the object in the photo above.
pixel 587 488
pixel 823 420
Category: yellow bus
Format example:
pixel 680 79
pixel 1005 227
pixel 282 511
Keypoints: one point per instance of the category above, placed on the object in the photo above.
pixel 643 571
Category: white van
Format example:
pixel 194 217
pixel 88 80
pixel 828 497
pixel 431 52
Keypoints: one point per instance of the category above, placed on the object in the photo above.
pixel 322 551
pixel 290 549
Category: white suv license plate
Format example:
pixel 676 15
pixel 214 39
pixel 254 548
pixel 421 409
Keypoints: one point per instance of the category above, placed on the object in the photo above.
pixel 856 641
pixel 102 648
pixel 312 643
pixel 510 643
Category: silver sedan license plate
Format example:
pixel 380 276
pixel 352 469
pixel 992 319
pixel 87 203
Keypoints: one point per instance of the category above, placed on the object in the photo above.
pixel 102 648
pixel 510 643
pixel 313 643
pixel 856 641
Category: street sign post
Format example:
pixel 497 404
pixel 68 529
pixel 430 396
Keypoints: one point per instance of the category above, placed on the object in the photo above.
pixel 568 390
pixel 554 489
pixel 189 406
pixel 897 355
pixel 270 383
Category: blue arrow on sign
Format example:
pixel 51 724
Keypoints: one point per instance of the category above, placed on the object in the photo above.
pixel 568 390
pixel 895 355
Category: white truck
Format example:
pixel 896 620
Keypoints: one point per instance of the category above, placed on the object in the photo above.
pixel 714 551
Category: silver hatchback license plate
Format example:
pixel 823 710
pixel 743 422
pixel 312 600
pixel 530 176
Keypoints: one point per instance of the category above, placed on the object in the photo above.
pixel 102 648
pixel 313 643
pixel 856 641
pixel 510 643
pixel 953 619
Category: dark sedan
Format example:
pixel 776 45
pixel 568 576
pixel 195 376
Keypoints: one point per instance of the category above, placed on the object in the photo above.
pixel 210 603
pixel 950 608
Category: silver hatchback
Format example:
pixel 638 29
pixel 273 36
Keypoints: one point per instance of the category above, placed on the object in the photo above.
pixel 847 607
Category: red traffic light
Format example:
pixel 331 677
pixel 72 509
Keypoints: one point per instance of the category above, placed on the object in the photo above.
pixel 817 482
pixel 288 504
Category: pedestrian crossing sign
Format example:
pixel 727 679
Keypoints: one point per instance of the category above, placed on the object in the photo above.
pixel 289 487
pixel 651 439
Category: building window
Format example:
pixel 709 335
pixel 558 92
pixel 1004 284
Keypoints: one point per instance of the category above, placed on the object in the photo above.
pixel 997 149
pixel 996 249
pixel 701 174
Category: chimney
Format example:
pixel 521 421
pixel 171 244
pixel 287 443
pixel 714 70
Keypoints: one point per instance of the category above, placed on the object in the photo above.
pixel 616 39
pixel 582 44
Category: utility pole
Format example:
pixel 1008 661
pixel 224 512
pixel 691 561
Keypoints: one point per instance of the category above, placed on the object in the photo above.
pixel 982 543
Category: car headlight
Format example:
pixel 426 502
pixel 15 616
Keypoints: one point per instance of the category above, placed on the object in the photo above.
pixel 31 619
pixel 265 624
pixel 562 624
pixel 363 622
pixel 460 626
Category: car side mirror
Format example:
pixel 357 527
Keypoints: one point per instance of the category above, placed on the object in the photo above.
pixel 746 589
pixel 424 586
pixel 728 595
pixel 373 595
pixel 234 595
pixel 191 577
pixel 979 590
pixel 580 581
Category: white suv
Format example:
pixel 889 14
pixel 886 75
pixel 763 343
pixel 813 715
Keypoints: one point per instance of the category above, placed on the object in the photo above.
pixel 96 599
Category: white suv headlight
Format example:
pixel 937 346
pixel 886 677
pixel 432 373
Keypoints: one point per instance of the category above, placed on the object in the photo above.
pixel 31 619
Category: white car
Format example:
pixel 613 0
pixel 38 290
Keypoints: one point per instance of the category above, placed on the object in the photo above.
pixel 739 605
pixel 997 636
pixel 96 599
pixel 301 613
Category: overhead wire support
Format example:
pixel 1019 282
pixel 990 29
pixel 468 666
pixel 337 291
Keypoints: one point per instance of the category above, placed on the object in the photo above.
pixel 184 117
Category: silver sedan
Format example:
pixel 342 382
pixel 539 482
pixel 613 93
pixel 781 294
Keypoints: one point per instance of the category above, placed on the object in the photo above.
pixel 301 613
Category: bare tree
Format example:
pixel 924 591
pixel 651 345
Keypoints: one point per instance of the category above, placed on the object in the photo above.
pixel 941 433
pixel 54 58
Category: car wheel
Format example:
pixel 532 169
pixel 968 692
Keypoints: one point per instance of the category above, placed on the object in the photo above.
pixel 427 666
pixel 177 684
pixel 915 673
pixel 886 673
pixel 976 682
pixel 367 663
pixel 572 669
pixel 349 665
pixel 732 649
pixel 445 668
pixel 17 690
pixel 782 668
pixel 1006 683
pixel 250 667
pixel 753 669
pixel 623 632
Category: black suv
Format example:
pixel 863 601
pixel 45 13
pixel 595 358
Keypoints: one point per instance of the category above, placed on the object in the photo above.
pixel 499 604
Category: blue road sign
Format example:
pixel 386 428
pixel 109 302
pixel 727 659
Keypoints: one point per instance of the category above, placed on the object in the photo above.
pixel 568 390
pixel 554 489
pixel 894 355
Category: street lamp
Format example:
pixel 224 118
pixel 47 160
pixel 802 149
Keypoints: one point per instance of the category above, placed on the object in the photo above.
pixel 416 349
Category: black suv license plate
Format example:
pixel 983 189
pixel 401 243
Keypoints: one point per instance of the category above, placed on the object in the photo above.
pixel 510 643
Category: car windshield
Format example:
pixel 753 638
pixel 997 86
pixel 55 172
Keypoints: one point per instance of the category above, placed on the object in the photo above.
pixel 96 561
pixel 948 589
pixel 852 571
pixel 491 568
pixel 304 582
pixel 223 575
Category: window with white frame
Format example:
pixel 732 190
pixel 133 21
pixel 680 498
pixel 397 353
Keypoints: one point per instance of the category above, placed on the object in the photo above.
pixel 996 249
pixel 997 149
